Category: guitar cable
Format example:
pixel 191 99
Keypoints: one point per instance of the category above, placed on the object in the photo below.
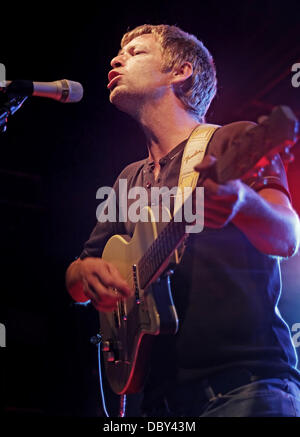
pixel 100 379
pixel 122 397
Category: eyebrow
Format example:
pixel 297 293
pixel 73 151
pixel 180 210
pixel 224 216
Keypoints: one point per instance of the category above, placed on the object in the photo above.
pixel 133 47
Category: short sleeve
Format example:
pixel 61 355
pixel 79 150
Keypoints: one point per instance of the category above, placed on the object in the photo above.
pixel 270 175
pixel 265 174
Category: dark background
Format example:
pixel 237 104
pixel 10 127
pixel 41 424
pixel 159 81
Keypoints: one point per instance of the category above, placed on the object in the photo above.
pixel 54 157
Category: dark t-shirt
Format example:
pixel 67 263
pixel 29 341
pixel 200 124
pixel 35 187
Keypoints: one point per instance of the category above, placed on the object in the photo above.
pixel 225 290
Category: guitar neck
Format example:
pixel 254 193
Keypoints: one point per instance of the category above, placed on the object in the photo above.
pixel 160 250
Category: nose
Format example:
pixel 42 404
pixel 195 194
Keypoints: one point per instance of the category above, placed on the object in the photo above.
pixel 117 61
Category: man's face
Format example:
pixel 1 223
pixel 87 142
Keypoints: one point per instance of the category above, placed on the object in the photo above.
pixel 137 75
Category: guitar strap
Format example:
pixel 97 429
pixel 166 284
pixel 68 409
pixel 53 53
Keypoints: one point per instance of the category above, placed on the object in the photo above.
pixel 193 154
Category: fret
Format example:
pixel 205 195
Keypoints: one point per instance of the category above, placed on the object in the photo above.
pixel 160 249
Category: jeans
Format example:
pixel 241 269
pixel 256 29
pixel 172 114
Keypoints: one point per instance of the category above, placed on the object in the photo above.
pixel 264 398
pixel 269 397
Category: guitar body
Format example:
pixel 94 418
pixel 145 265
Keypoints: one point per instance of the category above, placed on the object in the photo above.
pixel 127 333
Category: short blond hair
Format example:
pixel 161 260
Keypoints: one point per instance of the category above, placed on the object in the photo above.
pixel 198 91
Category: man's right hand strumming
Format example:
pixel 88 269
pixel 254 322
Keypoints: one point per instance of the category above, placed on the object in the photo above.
pixel 97 280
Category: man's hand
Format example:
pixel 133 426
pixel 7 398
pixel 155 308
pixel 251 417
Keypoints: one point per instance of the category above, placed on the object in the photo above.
pixel 97 280
pixel 266 218
pixel 221 202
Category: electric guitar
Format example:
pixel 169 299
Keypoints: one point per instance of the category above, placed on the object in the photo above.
pixel 147 259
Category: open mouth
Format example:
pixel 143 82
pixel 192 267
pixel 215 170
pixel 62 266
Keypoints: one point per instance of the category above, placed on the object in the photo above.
pixel 113 77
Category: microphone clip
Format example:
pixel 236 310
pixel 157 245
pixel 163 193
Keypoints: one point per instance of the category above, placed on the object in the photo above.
pixel 9 108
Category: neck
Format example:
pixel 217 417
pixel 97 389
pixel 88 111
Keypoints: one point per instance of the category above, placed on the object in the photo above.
pixel 165 126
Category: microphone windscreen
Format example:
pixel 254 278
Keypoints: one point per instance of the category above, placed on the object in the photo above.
pixel 75 92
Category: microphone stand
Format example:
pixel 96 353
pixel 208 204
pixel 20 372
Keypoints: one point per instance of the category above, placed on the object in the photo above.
pixel 9 108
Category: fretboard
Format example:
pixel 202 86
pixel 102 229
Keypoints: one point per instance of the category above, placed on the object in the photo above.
pixel 160 250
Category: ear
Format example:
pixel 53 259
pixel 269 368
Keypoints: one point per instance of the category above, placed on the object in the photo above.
pixel 182 73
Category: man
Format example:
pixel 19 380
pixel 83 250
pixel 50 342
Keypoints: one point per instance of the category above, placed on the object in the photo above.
pixel 233 354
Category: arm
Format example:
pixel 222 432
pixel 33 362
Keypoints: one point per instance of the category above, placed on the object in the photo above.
pixel 269 222
pixel 266 218
pixel 93 278
pixel 74 284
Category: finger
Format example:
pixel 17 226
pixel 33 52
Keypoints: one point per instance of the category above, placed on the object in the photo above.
pixel 211 222
pixel 228 191
pixel 112 279
pixel 212 225
pixel 94 296
pixel 211 187
pixel 100 293
pixel 220 208
pixel 211 219
pixel 218 217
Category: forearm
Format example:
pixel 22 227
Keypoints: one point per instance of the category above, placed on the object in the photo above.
pixel 74 281
pixel 271 227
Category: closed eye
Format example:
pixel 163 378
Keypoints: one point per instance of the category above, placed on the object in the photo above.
pixel 136 51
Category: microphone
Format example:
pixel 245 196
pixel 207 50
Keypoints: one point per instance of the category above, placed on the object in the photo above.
pixel 65 91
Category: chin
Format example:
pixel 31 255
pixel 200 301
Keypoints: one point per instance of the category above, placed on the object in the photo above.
pixel 122 100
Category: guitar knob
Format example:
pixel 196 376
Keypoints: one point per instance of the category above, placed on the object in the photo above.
pixel 105 346
pixel 110 357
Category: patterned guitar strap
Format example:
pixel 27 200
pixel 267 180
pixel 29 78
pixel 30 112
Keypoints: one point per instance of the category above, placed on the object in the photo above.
pixel 193 154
